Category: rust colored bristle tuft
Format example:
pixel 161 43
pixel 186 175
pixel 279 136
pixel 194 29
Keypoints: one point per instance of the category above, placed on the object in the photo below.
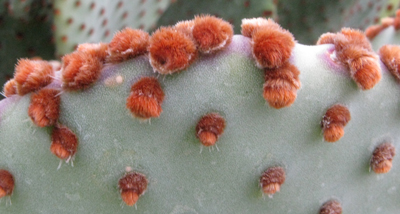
pixel 372 31
pixel 356 38
pixel 272 46
pixel 10 88
pixel 334 121
pixel 127 44
pixel 326 38
pixel 185 27
pixel 64 142
pixel 146 98
pixel 209 128
pixel 80 70
pixel 281 85
pixel 171 50
pixel 44 108
pixel 272 179
pixel 98 50
pixel 390 56
pixel 211 33
pixel 6 183
pixel 249 26
pixel 331 207
pixel 381 161
pixel 31 75
pixel 132 186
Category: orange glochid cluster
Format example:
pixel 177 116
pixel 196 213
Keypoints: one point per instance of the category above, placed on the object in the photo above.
pixel 331 207
pixel 173 49
pixel 31 75
pixel 44 108
pixel 209 128
pixel 10 88
pixel 272 47
pixel 132 186
pixel 372 31
pixel 334 121
pixel 381 161
pixel 353 50
pixel 64 142
pixel 146 98
pixel 127 44
pixel 6 183
pixel 390 56
pixel 272 179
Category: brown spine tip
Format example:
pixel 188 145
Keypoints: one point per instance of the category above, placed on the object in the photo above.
pixel 80 70
pixel 381 161
pixel 64 142
pixel 272 46
pixel 281 85
pixel 390 56
pixel 31 75
pixel 132 186
pixel 6 183
pixel 272 179
pixel 249 26
pixel 10 88
pixel 146 98
pixel 44 108
pixel 127 44
pixel 334 121
pixel 209 128
pixel 211 33
pixel 171 50
pixel 331 207
pixel 98 50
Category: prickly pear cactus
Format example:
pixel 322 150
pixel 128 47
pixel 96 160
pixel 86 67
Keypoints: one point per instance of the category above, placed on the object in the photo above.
pixel 176 130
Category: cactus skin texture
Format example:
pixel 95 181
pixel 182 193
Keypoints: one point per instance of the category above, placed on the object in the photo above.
pixel 223 179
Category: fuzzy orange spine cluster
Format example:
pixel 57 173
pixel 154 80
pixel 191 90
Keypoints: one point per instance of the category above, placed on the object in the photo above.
pixel 209 128
pixel 272 179
pixel 372 31
pixel 127 44
pixel 381 161
pixel 146 98
pixel 271 48
pixel 64 142
pixel 44 108
pixel 354 51
pixel 31 75
pixel 334 121
pixel 390 56
pixel 10 88
pixel 132 186
pixel 6 183
pixel 331 207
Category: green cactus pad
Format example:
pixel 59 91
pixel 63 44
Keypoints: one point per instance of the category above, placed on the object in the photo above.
pixel 182 179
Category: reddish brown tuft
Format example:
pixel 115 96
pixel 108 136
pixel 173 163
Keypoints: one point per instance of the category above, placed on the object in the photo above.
pixel 80 70
pixel 145 98
pixel 272 46
pixel 334 121
pixel 381 161
pixel 31 75
pixel 372 31
pixel 211 33
pixel 209 128
pixel 281 85
pixel 98 50
pixel 185 27
pixel 396 22
pixel 171 50
pixel 331 207
pixel 132 186
pixel 44 108
pixel 390 56
pixel 64 142
pixel 249 26
pixel 356 38
pixel 10 88
pixel 272 179
pixel 127 44
pixel 6 183
pixel 327 38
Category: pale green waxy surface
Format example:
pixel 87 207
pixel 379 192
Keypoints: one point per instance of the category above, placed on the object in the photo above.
pixel 183 180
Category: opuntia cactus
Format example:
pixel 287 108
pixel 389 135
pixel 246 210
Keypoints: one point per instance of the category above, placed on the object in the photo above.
pixel 177 130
